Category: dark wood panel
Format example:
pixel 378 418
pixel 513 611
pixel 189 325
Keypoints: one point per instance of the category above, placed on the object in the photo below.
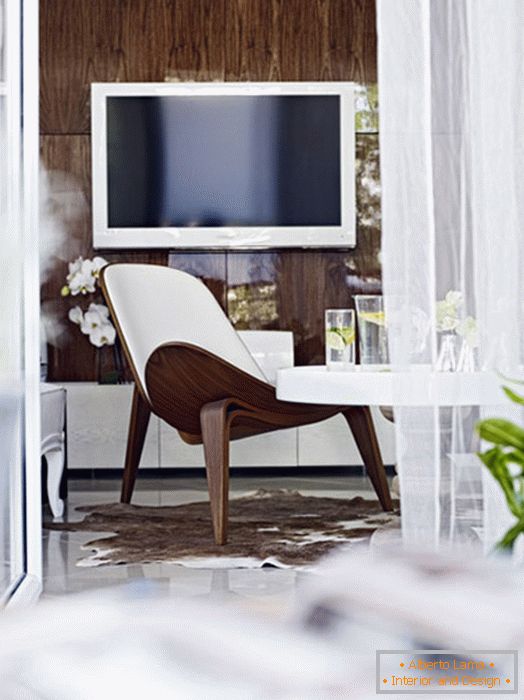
pixel 308 283
pixel 67 234
pixel 81 42
pixel 67 161
pixel 144 40
pixel 289 290
pixel 198 39
pixel 252 49
pixel 62 66
pixel 158 40
pixel 148 257
pixel 134 40
pixel 303 40
pixel 366 270
pixel 353 40
pixel 252 279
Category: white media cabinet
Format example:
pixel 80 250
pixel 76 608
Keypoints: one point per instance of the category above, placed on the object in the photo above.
pixel 97 417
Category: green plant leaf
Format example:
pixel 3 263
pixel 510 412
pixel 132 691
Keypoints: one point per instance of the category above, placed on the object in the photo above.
pixel 516 398
pixel 496 461
pixel 501 432
pixel 508 450
pixel 512 380
pixel 507 542
pixel 489 456
pixel 516 457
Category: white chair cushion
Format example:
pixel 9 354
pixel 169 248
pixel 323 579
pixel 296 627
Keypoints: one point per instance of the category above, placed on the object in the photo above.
pixel 156 304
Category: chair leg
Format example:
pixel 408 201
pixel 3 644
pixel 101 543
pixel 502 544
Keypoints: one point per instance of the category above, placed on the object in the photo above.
pixel 361 424
pixel 138 422
pixel 214 422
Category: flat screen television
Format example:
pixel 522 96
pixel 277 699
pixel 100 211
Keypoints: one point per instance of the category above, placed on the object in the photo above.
pixel 223 165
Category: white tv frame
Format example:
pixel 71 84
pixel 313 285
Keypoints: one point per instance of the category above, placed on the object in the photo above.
pixel 253 237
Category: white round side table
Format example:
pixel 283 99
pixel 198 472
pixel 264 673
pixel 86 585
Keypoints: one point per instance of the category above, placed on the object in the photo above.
pixel 363 386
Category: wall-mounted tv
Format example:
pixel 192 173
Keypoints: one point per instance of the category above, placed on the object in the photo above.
pixel 223 165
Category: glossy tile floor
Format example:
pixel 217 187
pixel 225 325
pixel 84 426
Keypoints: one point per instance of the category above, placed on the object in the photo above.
pixel 266 587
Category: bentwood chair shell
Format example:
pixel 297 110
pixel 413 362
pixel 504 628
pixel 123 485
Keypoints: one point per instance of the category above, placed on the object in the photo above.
pixel 192 370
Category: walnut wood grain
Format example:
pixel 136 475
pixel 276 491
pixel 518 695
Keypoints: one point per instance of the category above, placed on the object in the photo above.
pixel 252 48
pixel 208 399
pixel 198 31
pixel 156 40
pixel 80 42
pixel 215 424
pixel 360 422
pixel 138 422
pixel 181 378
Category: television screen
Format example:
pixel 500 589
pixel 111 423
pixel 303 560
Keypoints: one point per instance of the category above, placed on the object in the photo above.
pixel 223 165
pixel 223 161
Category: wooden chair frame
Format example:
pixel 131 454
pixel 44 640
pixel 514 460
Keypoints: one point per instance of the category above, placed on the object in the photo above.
pixel 210 402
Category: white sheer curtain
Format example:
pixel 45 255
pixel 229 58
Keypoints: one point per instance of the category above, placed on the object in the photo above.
pixel 451 87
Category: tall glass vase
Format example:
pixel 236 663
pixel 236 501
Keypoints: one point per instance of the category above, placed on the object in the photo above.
pixel 466 361
pixel 447 356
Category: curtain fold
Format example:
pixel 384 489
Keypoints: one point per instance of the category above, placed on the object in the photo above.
pixel 451 89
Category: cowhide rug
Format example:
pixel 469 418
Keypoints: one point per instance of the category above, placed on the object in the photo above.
pixel 279 528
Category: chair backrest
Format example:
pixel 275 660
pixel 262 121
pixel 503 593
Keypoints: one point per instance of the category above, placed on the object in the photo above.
pixel 154 305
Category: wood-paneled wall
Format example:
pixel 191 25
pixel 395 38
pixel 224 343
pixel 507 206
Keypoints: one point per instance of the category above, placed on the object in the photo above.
pixel 83 41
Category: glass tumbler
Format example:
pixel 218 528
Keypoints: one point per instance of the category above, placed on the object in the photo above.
pixel 340 339
pixel 372 333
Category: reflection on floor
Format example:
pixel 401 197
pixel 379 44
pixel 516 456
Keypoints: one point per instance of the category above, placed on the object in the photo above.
pixel 268 586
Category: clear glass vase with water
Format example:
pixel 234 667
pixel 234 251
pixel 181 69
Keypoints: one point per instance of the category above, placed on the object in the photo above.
pixel 372 332
pixel 340 339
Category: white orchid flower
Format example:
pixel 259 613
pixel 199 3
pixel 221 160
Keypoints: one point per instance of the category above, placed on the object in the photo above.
pixel 76 315
pixel 454 298
pixel 98 264
pixel 88 268
pixel 447 311
pixel 75 266
pixel 95 322
pixel 468 329
pixel 100 309
pixel 448 323
pixel 93 319
pixel 103 335
pixel 81 283
pixel 83 275
pixel 74 283
pixel 446 316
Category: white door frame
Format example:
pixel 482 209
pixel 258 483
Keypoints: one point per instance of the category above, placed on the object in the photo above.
pixel 21 86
